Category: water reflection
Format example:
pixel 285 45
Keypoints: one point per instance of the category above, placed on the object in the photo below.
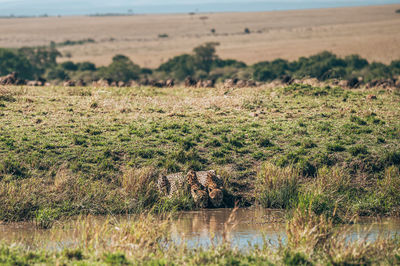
pixel 204 228
pixel 250 226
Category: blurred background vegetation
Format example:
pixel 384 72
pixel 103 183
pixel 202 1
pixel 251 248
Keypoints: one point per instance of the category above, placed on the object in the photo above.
pixel 40 63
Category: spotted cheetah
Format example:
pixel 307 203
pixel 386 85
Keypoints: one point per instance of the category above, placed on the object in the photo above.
pixel 176 183
pixel 214 186
pixel 203 186
pixel 163 185
pixel 214 190
pixel 197 190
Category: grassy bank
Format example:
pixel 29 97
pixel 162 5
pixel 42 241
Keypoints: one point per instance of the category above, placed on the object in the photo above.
pixel 311 240
pixel 68 151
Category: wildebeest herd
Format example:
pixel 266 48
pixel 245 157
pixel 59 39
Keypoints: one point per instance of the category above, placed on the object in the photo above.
pixel 12 79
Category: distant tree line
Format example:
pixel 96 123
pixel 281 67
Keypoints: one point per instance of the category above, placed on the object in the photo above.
pixel 203 63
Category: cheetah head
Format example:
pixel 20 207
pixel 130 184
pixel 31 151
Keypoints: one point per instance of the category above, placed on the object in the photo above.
pixel 216 197
pixel 200 197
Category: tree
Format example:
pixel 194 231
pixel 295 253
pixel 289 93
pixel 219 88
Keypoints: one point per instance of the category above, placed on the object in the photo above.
pixel 179 67
pixel 69 65
pixel 121 69
pixel 57 73
pixel 356 62
pixel 11 61
pixel 86 66
pixel 204 56
pixel 41 58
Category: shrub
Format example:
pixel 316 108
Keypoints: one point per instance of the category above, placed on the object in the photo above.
pixel 355 62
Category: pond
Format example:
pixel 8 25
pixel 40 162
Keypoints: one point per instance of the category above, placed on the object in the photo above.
pixel 251 227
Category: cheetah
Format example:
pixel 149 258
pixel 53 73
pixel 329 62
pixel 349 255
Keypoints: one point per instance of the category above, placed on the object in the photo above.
pixel 205 187
pixel 214 191
pixel 163 185
pixel 214 185
pixel 197 190
pixel 172 183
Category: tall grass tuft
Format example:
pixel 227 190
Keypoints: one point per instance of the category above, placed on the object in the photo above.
pixel 307 231
pixel 137 237
pixel 277 187
pixel 314 238
pixel 328 194
pixel 389 189
pixel 140 185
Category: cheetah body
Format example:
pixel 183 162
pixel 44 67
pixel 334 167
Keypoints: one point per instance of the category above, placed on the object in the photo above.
pixel 205 187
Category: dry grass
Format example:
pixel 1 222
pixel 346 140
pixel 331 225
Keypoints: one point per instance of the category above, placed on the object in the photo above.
pixel 276 186
pixel 145 239
pixel 307 231
pixel 317 238
pixel 371 32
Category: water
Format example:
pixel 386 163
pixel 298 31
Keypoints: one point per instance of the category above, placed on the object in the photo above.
pixel 76 7
pixel 204 228
pixel 257 226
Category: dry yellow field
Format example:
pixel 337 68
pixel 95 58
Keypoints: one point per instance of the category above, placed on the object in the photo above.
pixel 373 32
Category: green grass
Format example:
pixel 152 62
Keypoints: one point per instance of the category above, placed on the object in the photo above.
pixel 65 151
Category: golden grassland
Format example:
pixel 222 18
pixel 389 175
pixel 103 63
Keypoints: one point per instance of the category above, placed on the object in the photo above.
pixel 371 32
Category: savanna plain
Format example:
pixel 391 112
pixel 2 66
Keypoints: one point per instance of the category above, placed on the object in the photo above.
pixel 150 40
pixel 325 154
